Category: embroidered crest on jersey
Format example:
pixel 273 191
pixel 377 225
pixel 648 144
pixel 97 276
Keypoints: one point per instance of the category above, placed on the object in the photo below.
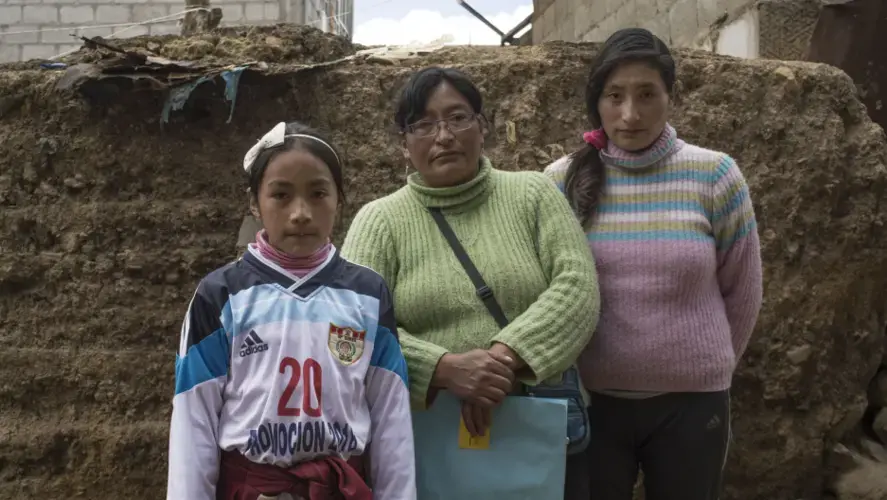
pixel 346 343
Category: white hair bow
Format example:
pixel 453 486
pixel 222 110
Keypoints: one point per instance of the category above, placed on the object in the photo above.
pixel 276 137
pixel 272 138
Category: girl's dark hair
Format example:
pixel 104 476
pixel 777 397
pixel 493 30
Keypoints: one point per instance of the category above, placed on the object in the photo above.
pixel 585 175
pixel 415 93
pixel 311 146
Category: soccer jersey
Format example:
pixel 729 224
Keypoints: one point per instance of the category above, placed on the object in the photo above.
pixel 285 370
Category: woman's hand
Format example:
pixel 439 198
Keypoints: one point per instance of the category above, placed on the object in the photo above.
pixel 477 419
pixel 478 376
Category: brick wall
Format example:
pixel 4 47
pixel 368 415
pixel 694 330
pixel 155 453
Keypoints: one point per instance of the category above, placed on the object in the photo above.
pixel 50 23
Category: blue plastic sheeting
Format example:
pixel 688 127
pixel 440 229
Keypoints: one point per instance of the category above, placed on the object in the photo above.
pixel 178 96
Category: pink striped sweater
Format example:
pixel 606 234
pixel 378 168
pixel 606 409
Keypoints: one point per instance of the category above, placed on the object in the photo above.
pixel 678 258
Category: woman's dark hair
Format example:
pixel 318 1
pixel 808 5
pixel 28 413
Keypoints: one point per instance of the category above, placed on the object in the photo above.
pixel 585 175
pixel 332 157
pixel 415 93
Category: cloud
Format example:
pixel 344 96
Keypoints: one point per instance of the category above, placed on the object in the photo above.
pixel 422 26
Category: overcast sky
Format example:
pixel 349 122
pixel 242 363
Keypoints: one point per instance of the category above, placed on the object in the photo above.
pixel 393 22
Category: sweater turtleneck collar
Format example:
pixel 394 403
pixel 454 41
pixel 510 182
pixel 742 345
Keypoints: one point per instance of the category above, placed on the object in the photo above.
pixel 666 145
pixel 457 198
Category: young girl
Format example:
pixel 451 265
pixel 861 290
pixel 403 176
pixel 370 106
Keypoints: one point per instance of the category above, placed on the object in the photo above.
pixel 289 362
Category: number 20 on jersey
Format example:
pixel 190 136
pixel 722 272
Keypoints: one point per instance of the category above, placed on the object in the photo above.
pixel 310 374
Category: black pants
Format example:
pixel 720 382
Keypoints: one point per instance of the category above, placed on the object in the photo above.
pixel 679 440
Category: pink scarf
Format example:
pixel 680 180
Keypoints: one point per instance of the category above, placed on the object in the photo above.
pixel 299 266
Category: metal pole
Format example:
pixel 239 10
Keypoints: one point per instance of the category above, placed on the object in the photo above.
pixel 509 37
pixel 478 15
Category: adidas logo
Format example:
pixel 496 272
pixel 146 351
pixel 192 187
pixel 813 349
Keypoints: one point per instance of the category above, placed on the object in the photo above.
pixel 252 344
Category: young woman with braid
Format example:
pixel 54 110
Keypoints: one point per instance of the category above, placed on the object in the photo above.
pixel 673 233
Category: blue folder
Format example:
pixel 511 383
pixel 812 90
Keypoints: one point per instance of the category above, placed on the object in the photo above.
pixel 526 459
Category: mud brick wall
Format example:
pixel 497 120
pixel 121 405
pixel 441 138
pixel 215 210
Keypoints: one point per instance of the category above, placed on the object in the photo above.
pixel 107 221
pixel 73 15
pixel 786 27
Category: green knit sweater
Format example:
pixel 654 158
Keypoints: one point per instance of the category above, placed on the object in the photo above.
pixel 520 233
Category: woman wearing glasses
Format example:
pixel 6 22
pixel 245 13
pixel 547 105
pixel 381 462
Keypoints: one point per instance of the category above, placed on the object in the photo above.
pixel 517 229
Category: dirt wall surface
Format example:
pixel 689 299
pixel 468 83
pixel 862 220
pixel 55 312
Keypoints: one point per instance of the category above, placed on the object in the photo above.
pixel 108 219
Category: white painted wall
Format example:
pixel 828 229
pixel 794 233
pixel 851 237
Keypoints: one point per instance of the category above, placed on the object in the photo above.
pixel 740 37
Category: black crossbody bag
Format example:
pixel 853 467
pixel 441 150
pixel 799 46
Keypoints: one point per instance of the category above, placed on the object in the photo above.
pixel 567 388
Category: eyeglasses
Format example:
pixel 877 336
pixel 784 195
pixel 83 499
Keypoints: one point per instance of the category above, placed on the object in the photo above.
pixel 456 122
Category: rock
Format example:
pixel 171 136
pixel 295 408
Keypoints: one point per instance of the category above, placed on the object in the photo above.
pixel 30 174
pixel 877 393
pixel 874 450
pixel 879 425
pixel 868 481
pixel 74 183
pixel 273 41
pixel 785 72
pixel 800 354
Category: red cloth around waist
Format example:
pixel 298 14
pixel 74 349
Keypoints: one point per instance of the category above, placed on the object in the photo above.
pixel 325 478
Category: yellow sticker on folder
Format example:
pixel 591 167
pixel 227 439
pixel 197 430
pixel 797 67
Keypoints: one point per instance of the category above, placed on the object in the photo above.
pixel 469 442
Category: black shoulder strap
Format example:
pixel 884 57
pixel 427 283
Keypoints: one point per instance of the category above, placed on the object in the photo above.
pixel 481 288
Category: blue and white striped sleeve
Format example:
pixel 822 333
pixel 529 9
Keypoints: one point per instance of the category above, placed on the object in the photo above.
pixel 392 456
pixel 202 363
